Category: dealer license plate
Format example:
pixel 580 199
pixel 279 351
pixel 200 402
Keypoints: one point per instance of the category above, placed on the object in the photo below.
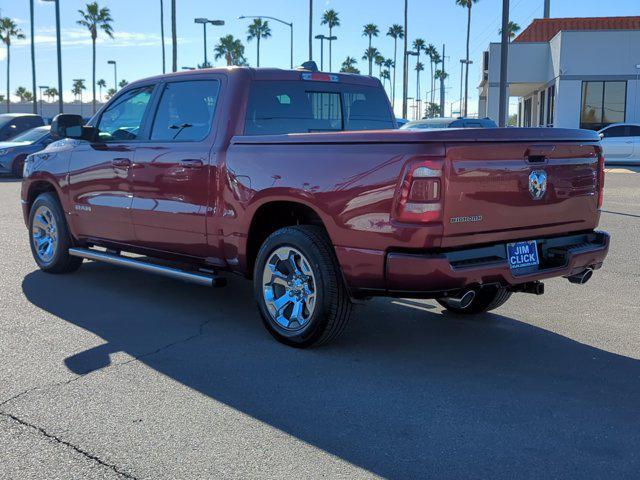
pixel 522 254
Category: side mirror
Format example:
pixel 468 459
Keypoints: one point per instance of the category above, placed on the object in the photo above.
pixel 71 126
pixel 601 136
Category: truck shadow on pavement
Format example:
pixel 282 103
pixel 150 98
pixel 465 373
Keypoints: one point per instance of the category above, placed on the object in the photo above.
pixel 407 392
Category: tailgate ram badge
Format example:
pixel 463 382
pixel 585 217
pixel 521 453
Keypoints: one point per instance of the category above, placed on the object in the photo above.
pixel 537 184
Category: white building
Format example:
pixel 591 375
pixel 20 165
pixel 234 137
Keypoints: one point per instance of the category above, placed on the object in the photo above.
pixel 569 72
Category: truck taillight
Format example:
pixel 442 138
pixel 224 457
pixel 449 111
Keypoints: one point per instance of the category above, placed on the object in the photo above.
pixel 420 195
pixel 600 179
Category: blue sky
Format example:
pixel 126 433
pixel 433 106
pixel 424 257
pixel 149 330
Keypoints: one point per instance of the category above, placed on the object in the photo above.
pixel 137 50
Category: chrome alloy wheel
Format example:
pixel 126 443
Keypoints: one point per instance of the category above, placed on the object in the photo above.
pixel 289 288
pixel 44 234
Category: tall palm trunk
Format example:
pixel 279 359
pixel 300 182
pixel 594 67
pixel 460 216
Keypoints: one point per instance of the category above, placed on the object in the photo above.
pixel 330 48
pixel 93 69
pixel 466 75
pixel 174 36
pixel 8 76
pixel 395 64
pixel 258 43
pixel 433 82
pixel 370 59
pixel 310 30
pixel 33 61
pixel 405 74
pixel 162 35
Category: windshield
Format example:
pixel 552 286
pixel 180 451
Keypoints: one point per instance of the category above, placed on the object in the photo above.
pixel 32 135
pixel 425 125
pixel 4 119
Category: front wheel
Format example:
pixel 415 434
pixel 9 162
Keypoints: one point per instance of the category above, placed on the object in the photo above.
pixel 299 287
pixel 49 236
pixel 485 300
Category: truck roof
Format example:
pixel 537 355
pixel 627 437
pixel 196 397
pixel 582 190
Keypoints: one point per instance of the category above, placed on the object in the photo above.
pixel 276 74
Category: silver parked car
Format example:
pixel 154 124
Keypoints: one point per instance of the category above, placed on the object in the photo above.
pixel 14 152
pixel 621 143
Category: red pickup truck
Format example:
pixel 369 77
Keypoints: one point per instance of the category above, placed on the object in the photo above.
pixel 300 181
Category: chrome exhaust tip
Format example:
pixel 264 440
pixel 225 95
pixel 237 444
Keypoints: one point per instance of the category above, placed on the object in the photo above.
pixel 582 278
pixel 462 301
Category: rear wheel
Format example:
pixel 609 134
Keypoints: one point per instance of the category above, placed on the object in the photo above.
pixel 49 236
pixel 485 300
pixel 299 288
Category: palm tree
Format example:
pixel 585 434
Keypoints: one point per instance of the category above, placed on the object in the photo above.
pixel 123 83
pixel 258 30
pixel 418 45
pixel 467 4
pixel 95 18
pixel 437 60
pixel 9 30
pixel 395 31
pixel 332 20
pixel 78 87
pixel 110 93
pixel 164 67
pixel 174 37
pixel 23 94
pixel 231 49
pixel 379 61
pixel 430 51
pixel 386 75
pixel 419 68
pixel 349 65
pixel 369 55
pixel 51 93
pixel 101 83
pixel 513 29
pixel 370 30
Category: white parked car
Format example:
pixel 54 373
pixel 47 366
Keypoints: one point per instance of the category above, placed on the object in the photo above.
pixel 621 143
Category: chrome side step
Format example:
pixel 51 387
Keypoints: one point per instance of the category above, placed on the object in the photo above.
pixel 114 259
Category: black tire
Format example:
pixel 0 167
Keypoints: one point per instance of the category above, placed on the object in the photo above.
pixel 17 166
pixel 486 299
pixel 332 304
pixel 60 261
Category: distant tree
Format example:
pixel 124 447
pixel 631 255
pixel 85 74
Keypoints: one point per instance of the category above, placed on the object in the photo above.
pixel 514 28
pixel 431 110
pixel 51 93
pixel 258 30
pixel 78 87
pixel 110 93
pixel 94 18
pixel 370 30
pixel 384 76
pixel 396 32
pixel 467 4
pixel 349 66
pixel 101 84
pixel 1 98
pixel 513 120
pixel 332 20
pixel 23 94
pixel 369 55
pixel 123 83
pixel 418 68
pixel 437 60
pixel 379 61
pixel 8 31
pixel 231 49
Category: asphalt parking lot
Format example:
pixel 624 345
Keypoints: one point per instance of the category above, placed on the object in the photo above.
pixel 109 373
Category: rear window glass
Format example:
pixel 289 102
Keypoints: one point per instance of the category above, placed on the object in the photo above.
pixel 303 107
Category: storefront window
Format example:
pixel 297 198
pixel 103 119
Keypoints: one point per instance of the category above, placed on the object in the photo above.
pixel 603 103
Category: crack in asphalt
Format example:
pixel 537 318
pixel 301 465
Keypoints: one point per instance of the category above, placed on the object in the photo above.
pixel 59 440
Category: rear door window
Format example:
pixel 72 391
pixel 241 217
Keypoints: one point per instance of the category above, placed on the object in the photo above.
pixel 186 111
pixel 616 132
pixel 303 107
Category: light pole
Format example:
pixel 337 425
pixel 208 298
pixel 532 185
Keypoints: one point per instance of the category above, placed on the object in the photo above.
pixel 289 24
pixel 463 62
pixel 204 22
pixel 310 30
pixel 405 86
pixel 59 49
pixel 412 106
pixel 115 74
pixel 33 59
pixel 41 88
pixel 504 62
pixel 322 38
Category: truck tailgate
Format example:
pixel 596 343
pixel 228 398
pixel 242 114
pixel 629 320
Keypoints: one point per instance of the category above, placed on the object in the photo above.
pixel 508 190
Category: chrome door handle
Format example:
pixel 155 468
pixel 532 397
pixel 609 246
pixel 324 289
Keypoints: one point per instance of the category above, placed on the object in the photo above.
pixel 121 162
pixel 192 163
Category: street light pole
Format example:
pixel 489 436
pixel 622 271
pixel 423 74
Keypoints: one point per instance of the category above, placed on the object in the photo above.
pixel 405 74
pixel 405 86
pixel 322 38
pixel 289 24
pixel 442 77
pixel 115 74
pixel 504 65
pixel 204 22
pixel 33 60
pixel 310 30
pixel 41 87
pixel 59 49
